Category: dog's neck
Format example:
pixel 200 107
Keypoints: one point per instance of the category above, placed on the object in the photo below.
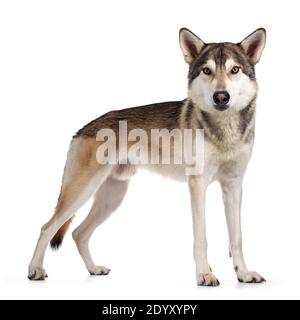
pixel 226 129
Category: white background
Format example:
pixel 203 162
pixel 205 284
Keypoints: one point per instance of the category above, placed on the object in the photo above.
pixel 64 63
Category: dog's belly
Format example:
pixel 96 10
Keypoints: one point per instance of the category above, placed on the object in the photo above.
pixel 173 171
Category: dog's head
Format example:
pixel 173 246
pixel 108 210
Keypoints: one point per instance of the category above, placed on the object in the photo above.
pixel 222 75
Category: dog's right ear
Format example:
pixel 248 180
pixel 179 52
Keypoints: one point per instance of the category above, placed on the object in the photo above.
pixel 190 45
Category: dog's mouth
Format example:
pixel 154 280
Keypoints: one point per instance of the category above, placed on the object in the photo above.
pixel 222 107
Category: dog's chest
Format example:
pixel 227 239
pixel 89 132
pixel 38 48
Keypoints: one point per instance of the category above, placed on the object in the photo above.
pixel 219 163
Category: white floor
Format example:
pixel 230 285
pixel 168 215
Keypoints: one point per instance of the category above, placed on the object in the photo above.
pixel 149 249
pixel 135 285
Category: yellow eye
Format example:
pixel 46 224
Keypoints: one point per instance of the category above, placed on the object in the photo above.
pixel 206 71
pixel 235 70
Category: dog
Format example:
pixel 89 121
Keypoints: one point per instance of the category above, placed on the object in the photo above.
pixel 221 103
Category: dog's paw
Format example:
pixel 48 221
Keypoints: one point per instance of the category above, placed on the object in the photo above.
pixel 250 277
pixel 207 279
pixel 99 271
pixel 37 274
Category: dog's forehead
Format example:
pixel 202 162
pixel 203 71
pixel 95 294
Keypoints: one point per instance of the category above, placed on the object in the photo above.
pixel 220 53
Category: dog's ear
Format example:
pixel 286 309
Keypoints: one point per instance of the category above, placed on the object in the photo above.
pixel 254 45
pixel 190 45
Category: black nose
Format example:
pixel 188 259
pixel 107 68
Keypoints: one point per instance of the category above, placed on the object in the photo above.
pixel 221 98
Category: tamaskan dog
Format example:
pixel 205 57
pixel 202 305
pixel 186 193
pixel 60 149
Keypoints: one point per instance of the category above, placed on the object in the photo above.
pixel 220 103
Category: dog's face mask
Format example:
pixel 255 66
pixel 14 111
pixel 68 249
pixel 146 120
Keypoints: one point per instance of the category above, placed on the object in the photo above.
pixel 222 75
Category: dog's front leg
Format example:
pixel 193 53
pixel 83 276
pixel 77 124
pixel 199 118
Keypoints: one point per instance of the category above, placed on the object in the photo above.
pixel 203 272
pixel 232 197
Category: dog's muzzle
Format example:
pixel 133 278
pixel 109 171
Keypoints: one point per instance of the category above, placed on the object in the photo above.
pixel 221 100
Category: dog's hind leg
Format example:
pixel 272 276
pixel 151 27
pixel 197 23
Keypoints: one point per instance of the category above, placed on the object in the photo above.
pixel 82 177
pixel 107 199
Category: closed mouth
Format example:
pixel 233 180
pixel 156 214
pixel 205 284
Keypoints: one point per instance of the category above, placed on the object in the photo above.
pixel 222 107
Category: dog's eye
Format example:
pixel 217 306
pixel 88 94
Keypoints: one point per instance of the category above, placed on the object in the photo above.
pixel 206 71
pixel 235 70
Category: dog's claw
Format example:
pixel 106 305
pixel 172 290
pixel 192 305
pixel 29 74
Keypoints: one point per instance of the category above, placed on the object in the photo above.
pixel 99 271
pixel 250 277
pixel 207 280
pixel 37 274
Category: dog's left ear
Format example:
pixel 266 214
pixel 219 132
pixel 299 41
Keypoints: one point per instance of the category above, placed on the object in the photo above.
pixel 254 45
pixel 190 45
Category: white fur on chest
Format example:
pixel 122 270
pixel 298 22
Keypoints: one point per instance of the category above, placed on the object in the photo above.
pixel 220 164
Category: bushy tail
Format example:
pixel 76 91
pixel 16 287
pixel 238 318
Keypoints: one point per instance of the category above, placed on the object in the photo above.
pixel 57 240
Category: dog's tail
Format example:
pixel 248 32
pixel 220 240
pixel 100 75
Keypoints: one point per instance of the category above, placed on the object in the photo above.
pixel 57 240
